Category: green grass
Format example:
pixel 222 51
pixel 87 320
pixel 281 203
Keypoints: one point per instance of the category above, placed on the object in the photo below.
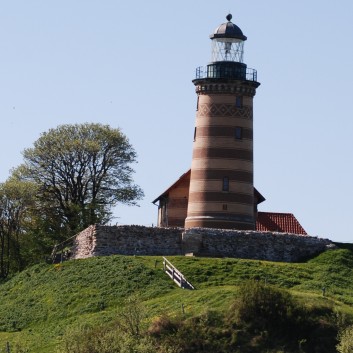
pixel 39 304
pixel 332 270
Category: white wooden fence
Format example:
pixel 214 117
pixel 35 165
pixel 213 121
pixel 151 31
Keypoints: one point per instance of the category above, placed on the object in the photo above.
pixel 176 275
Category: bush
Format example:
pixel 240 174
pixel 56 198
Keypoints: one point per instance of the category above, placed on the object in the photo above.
pixel 131 317
pixel 103 339
pixel 345 338
pixel 163 325
pixel 17 348
pixel 124 335
pixel 269 317
pixel 204 333
pixel 263 307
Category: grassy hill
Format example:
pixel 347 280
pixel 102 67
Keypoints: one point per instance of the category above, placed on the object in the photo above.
pixel 39 305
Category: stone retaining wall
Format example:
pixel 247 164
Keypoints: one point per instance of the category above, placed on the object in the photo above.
pixel 272 246
pixel 98 240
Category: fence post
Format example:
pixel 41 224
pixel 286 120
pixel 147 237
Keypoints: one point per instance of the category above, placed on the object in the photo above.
pixel 7 347
pixel 53 253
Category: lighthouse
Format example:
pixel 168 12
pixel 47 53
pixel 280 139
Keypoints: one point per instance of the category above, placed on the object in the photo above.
pixel 221 191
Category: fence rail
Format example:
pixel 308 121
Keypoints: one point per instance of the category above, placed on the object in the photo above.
pixel 7 348
pixel 176 275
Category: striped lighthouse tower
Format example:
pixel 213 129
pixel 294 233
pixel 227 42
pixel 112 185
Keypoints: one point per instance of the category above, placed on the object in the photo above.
pixel 221 193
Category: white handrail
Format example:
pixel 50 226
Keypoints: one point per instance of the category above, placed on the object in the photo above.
pixel 176 275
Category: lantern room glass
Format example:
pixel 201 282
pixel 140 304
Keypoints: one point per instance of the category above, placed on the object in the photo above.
pixel 227 49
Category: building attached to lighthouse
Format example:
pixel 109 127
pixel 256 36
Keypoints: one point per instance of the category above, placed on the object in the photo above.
pixel 218 191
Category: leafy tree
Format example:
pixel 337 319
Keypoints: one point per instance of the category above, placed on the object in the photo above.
pixel 16 202
pixel 81 171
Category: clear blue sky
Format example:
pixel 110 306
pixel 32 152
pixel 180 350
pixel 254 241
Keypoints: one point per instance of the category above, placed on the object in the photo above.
pixel 129 64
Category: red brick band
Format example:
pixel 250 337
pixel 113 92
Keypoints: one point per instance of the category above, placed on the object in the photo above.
pixel 223 131
pixel 216 174
pixel 228 197
pixel 223 153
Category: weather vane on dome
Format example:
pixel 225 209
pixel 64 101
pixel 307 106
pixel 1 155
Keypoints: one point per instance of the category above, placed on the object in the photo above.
pixel 229 17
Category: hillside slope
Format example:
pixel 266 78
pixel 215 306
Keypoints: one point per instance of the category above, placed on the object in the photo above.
pixel 38 305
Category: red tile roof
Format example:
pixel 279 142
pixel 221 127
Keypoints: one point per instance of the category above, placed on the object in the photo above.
pixel 278 222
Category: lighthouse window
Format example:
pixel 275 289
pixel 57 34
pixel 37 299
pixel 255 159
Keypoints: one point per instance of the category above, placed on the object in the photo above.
pixel 197 103
pixel 225 186
pixel 238 133
pixel 195 133
pixel 239 102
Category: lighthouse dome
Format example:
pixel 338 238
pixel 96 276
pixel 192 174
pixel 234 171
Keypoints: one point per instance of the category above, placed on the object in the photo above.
pixel 228 30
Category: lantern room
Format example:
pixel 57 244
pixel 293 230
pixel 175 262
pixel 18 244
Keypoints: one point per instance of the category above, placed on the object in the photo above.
pixel 228 42
pixel 227 55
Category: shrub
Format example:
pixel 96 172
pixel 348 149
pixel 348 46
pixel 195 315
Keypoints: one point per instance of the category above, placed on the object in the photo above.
pixel 345 338
pixel 271 317
pixel 17 348
pixel 124 335
pixel 131 317
pixel 263 307
pixel 103 339
pixel 163 325
pixel 204 333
